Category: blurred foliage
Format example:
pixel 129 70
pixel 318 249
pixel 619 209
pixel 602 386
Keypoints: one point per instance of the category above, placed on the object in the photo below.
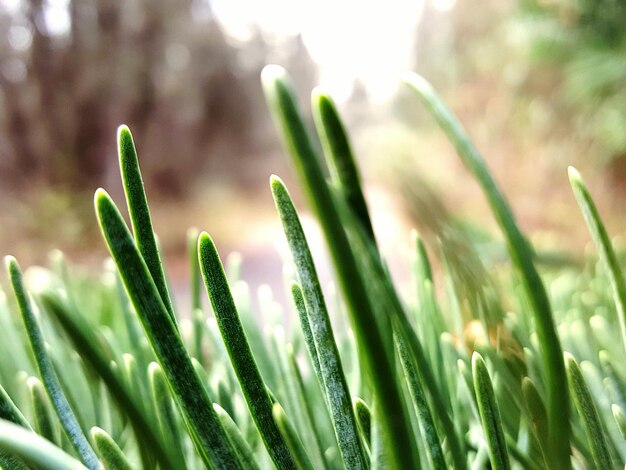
pixel 70 72
pixel 583 43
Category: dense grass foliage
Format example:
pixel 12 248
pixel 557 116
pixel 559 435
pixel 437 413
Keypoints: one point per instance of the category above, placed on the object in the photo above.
pixel 106 372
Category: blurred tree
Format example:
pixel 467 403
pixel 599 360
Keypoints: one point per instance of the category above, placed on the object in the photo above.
pixel 583 44
pixel 70 72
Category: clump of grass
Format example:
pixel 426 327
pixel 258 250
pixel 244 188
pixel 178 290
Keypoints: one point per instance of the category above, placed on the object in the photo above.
pixel 106 372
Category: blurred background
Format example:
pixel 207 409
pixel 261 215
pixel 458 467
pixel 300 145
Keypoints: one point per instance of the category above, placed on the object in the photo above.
pixel 539 85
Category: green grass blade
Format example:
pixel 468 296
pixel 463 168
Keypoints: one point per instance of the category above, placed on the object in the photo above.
pixel 111 455
pixel 588 414
pixel 318 322
pixel 46 370
pixel 522 257
pixel 339 156
pixel 426 422
pixel 603 245
pixel 234 337
pixel 140 214
pixel 44 425
pixel 364 420
pixel 245 453
pixel 165 413
pixel 35 450
pixel 373 333
pixel 190 394
pixel 10 412
pixel 489 414
pixel 301 459
pixel 86 343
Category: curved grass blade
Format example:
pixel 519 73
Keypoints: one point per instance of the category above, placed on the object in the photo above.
pixel 46 370
pixel 489 414
pixel 522 257
pixel 246 456
pixel 603 245
pixel 318 323
pixel 85 342
pixel 427 424
pixel 301 459
pixel 588 414
pixel 190 394
pixel 10 412
pixel 234 337
pixel 164 410
pixel 339 156
pixel 41 410
pixel 35 450
pixel 112 456
pixel 373 333
pixel 140 214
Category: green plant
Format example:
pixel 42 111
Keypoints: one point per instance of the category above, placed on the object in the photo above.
pixel 406 390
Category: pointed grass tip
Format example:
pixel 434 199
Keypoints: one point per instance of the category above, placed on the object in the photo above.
pixel 574 175
pixel 416 81
pixel 272 73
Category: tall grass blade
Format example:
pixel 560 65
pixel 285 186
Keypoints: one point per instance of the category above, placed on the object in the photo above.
pixel 522 257
pixel 46 370
pixel 318 322
pixel 140 214
pixel 191 396
pixel 489 414
pixel 339 156
pixel 373 333
pixel 603 245
pixel 44 425
pixel 427 425
pixel 588 414
pixel 234 337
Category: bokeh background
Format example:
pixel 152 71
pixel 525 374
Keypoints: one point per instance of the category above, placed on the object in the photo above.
pixel 539 85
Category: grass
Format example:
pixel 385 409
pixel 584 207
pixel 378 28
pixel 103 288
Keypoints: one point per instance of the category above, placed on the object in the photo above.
pixel 105 372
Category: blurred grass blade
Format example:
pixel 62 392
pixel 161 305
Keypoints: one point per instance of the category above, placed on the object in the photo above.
pixel 588 414
pixel 489 414
pixel 373 332
pixel 301 459
pixel 339 156
pixel 603 245
pixel 140 214
pixel 427 425
pixel 44 425
pixel 190 394
pixel 537 412
pixel 318 322
pixel 10 412
pixel 46 370
pixel 522 257
pixel 111 455
pixel 246 456
pixel 620 419
pixel 165 411
pixel 86 344
pixel 234 337
pixel 35 450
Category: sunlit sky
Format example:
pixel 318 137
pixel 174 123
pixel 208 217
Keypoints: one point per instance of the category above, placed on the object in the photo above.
pixel 368 40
